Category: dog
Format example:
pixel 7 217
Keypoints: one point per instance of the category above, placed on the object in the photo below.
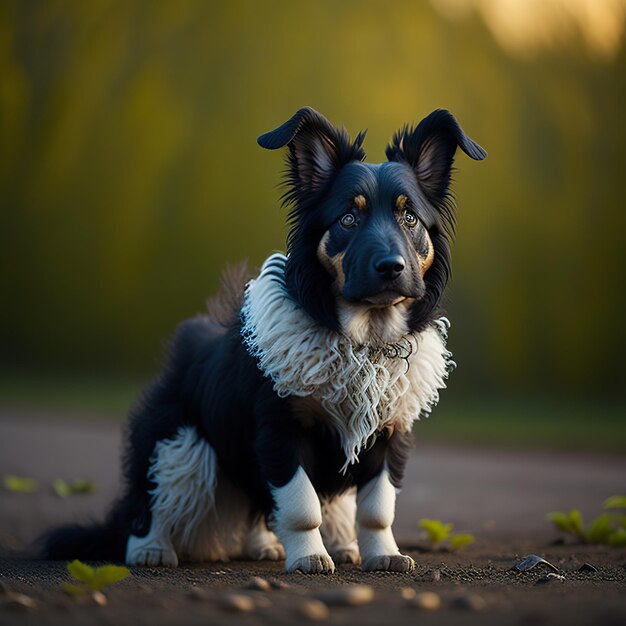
pixel 281 424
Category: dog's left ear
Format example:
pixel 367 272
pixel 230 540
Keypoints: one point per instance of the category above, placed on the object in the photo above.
pixel 429 149
pixel 317 149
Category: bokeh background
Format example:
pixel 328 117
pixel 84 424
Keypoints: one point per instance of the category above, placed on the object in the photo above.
pixel 130 174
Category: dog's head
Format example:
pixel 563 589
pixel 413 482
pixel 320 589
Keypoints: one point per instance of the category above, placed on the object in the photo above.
pixel 369 246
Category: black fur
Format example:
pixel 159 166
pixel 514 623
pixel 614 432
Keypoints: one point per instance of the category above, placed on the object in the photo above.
pixel 211 382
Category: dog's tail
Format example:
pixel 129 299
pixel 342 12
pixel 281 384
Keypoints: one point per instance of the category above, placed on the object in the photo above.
pixel 99 541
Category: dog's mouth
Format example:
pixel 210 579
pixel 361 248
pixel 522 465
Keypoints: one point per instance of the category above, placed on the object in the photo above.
pixel 385 299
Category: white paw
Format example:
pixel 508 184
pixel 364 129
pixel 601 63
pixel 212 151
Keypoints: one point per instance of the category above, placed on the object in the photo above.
pixel 389 563
pixel 140 552
pixel 270 552
pixel 346 555
pixel 313 564
pixel 263 545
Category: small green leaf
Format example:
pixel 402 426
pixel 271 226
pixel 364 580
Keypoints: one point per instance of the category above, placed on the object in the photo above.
pixel 74 590
pixel 78 487
pixel 576 520
pixel 109 574
pixel 571 522
pixel 615 502
pixel 61 488
pixel 437 531
pixel 81 571
pixel 459 541
pixel 20 484
pixel 618 538
pixel 601 528
pixel 560 520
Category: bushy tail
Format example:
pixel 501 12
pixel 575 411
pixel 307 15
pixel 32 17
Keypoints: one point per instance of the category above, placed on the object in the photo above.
pixel 105 541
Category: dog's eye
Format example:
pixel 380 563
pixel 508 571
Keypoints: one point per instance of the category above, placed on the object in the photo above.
pixel 410 219
pixel 348 220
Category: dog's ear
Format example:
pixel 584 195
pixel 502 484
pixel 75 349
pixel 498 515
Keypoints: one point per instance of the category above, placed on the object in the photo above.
pixel 429 149
pixel 317 150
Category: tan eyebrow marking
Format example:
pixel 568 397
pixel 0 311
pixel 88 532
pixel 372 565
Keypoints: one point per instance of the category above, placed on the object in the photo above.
pixel 401 202
pixel 360 202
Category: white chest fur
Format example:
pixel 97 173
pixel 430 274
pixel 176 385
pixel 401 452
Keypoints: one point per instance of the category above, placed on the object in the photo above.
pixel 363 389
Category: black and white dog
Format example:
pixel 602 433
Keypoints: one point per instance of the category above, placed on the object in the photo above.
pixel 281 424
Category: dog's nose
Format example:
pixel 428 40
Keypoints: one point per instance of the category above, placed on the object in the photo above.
pixel 390 267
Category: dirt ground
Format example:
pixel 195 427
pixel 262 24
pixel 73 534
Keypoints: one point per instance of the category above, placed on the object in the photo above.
pixel 501 497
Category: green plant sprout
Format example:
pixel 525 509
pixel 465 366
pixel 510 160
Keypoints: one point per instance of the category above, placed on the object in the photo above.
pixel 607 529
pixel 20 484
pixel 438 532
pixel 93 579
pixel 64 489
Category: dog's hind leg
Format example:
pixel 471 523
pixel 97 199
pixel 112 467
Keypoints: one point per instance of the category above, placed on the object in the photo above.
pixel 262 544
pixel 339 528
pixel 183 470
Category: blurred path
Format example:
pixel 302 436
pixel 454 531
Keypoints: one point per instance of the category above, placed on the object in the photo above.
pixel 487 492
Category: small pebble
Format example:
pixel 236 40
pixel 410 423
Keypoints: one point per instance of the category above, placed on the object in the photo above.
pixel 197 593
pixel 588 567
pixel 18 601
pixel 427 601
pixel 407 593
pixel 262 602
pixel 354 595
pixel 550 578
pixel 278 584
pixel 314 610
pixel 436 575
pixel 469 602
pixel 258 584
pixel 238 603
pixel 99 598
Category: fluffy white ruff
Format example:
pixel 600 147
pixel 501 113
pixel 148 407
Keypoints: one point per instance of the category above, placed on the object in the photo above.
pixel 364 388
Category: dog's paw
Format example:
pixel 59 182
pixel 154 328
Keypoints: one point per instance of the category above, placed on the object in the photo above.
pixel 389 563
pixel 152 556
pixel 270 552
pixel 313 564
pixel 150 552
pixel 346 555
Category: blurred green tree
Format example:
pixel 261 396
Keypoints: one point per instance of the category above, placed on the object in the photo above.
pixel 129 173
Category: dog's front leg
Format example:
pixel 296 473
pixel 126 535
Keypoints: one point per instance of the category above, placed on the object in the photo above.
pixel 296 513
pixel 297 520
pixel 376 503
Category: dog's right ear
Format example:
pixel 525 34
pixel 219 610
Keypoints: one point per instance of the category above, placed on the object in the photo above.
pixel 317 150
pixel 429 149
